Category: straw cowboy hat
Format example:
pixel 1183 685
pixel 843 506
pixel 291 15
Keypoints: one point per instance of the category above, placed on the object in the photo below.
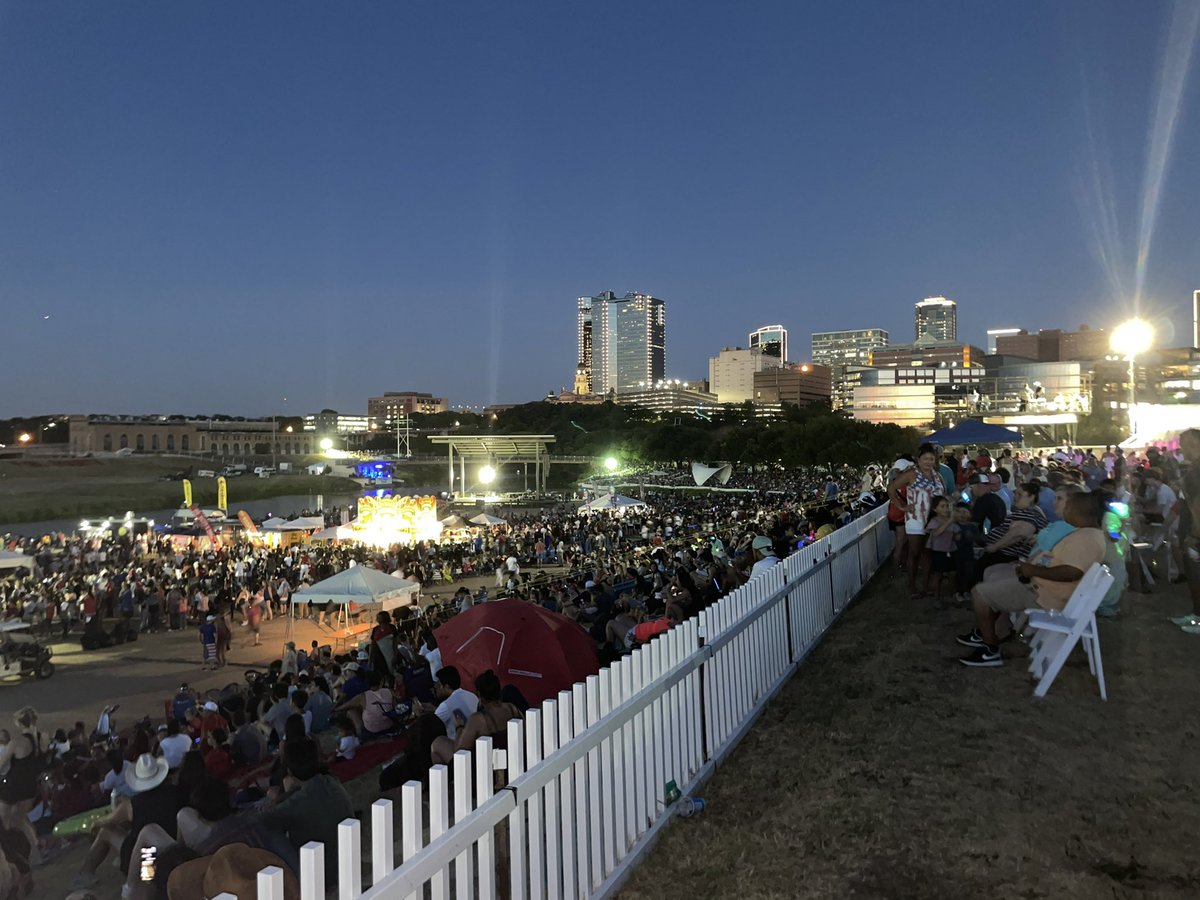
pixel 147 773
pixel 233 869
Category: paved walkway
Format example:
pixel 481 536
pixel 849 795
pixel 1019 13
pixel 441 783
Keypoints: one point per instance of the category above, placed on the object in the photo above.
pixel 886 770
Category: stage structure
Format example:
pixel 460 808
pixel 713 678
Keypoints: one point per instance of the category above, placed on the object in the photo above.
pixel 477 451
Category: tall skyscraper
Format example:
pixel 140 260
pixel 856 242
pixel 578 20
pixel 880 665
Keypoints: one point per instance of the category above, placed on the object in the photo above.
pixel 936 320
pixel 622 341
pixel 843 350
pixel 1196 319
pixel 771 340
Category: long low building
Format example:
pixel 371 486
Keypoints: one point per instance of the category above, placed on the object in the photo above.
pixel 175 434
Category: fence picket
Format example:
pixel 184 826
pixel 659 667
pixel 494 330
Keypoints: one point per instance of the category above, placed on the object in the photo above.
pixel 582 861
pixel 534 810
pixel 464 863
pixel 516 820
pixel 550 794
pixel 608 793
pixel 411 833
pixel 439 823
pixel 312 871
pixel 566 787
pixel 484 783
pixel 382 840
pixel 349 833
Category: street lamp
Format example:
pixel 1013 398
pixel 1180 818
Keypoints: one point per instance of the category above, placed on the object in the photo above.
pixel 1130 338
pixel 487 475
pixel 25 437
pixel 611 463
pixel 326 444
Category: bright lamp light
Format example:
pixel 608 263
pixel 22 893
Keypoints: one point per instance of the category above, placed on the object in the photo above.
pixel 25 437
pixel 611 463
pixel 487 475
pixel 1132 337
pixel 326 444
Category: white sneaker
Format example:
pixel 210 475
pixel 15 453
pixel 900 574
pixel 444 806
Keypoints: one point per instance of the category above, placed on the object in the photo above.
pixel 1191 619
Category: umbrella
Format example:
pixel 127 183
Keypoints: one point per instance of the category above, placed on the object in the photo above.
pixel 538 651
pixel 485 519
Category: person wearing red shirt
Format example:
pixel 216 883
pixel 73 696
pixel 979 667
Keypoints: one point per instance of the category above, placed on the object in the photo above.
pixel 217 760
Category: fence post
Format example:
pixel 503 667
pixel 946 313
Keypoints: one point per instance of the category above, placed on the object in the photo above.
pixel 312 871
pixel 270 883
pixel 464 864
pixel 484 783
pixel 439 824
pixel 381 840
pixel 411 832
pixel 515 742
pixel 349 834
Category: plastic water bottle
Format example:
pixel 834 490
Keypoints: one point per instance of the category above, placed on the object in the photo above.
pixel 688 807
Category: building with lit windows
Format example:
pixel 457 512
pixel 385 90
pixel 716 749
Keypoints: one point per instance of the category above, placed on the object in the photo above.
pixel 1055 345
pixel 731 372
pixel 622 341
pixel 772 340
pixel 672 396
pixel 842 352
pixel 936 320
pixel 395 405
pixel 796 383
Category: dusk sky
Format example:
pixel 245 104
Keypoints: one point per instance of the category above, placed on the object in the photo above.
pixel 209 207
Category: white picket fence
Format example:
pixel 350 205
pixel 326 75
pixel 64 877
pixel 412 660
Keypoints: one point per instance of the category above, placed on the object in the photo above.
pixel 587 773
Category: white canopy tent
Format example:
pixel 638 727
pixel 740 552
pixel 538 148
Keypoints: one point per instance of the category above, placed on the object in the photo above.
pixel 11 559
pixel 304 523
pixel 485 519
pixel 335 533
pixel 612 501
pixel 362 585
pixel 454 521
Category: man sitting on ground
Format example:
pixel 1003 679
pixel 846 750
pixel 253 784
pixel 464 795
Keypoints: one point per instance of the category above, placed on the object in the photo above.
pixel 1049 586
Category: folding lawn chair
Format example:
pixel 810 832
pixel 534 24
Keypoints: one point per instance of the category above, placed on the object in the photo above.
pixel 1057 633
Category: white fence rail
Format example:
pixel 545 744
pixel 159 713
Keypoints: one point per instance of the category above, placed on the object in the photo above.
pixel 585 776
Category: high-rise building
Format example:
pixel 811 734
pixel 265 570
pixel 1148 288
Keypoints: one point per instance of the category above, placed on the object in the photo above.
pixel 796 383
pixel 1055 345
pixel 731 372
pixel 622 341
pixel 1196 319
pixel 936 320
pixel 395 405
pixel 994 335
pixel 771 340
pixel 842 350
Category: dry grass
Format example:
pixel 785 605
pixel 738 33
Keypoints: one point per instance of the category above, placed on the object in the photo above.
pixel 886 770
pixel 32 490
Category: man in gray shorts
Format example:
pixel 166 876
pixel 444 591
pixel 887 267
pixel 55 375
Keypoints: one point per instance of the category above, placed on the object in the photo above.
pixel 1048 587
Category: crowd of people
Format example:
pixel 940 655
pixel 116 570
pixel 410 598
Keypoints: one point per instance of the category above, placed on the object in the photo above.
pixel 1017 531
pixel 261 764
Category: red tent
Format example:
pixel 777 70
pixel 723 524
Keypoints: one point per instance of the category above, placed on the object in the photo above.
pixel 538 651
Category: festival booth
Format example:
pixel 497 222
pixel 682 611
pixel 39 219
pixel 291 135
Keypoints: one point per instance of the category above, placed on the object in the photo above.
pixel 359 586
pixel 336 533
pixel 384 521
pixel 286 532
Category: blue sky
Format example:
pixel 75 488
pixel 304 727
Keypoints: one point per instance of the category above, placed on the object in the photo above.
pixel 220 205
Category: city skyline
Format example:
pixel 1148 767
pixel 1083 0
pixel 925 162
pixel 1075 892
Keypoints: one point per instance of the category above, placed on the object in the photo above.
pixel 358 200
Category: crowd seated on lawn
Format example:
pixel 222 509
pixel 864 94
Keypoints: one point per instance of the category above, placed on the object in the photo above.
pixel 261 762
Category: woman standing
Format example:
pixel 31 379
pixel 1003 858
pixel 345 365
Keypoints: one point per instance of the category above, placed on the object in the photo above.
pixel 23 758
pixel 895 513
pixel 922 484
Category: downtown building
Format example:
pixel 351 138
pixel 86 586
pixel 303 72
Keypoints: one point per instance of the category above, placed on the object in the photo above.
pixel 731 372
pixel 846 353
pixel 935 320
pixel 394 406
pixel 771 340
pixel 622 342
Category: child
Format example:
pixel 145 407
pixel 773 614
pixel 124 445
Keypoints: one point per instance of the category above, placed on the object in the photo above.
pixel 964 554
pixel 942 532
pixel 348 741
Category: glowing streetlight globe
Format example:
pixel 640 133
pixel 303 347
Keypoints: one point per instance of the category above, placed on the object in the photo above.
pixel 611 463
pixel 1132 338
pixel 487 475
pixel 25 437
pixel 326 444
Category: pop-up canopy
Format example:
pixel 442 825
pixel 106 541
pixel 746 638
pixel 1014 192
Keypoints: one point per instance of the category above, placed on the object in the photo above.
pixel 11 559
pixel 362 585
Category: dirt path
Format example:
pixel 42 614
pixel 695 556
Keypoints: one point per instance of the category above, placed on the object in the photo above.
pixel 886 770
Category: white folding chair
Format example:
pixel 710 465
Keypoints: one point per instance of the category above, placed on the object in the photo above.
pixel 1058 632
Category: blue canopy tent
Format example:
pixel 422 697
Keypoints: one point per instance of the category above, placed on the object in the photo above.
pixel 973 431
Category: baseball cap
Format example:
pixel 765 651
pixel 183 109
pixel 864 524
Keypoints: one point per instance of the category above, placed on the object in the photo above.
pixel 761 542
pixel 981 478
pixel 902 464
pixel 210 705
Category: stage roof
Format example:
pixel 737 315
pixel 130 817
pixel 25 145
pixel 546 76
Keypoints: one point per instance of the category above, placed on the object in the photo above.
pixel 490 446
